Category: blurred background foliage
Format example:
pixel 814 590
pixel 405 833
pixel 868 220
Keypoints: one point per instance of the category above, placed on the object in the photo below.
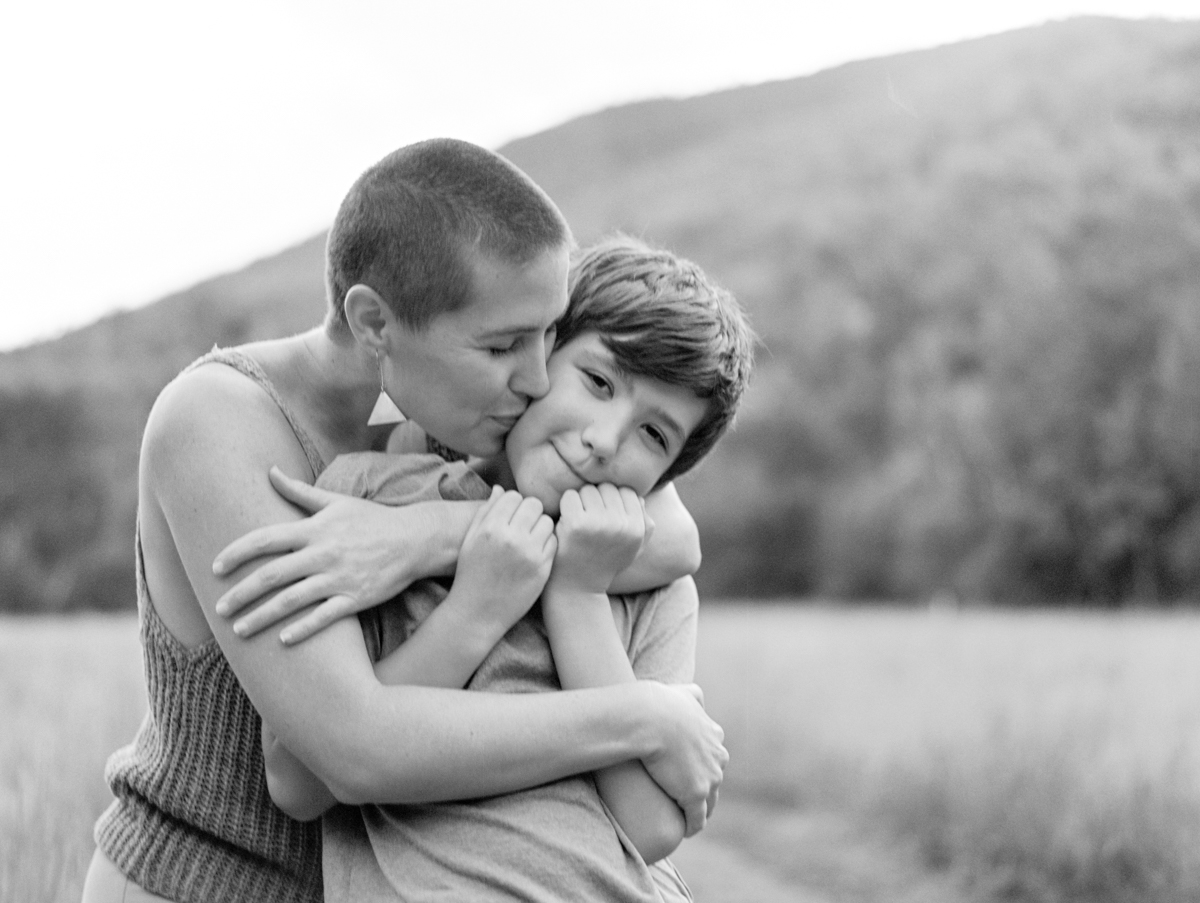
pixel 976 274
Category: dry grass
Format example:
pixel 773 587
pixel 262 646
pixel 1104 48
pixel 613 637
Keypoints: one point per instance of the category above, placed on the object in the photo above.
pixel 877 754
pixel 70 693
pixel 1031 756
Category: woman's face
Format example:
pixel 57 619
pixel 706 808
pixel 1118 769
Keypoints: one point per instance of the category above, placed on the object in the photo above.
pixel 469 375
pixel 598 424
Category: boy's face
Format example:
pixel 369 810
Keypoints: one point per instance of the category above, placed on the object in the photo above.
pixel 598 425
pixel 468 375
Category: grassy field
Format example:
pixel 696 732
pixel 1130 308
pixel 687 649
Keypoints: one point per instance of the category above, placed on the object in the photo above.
pixel 878 755
pixel 70 693
pixel 1032 756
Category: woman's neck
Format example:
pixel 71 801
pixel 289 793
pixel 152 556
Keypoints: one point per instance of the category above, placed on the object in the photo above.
pixel 346 387
pixel 333 384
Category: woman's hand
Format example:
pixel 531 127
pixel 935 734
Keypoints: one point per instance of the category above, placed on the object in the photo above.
pixel 346 557
pixel 691 763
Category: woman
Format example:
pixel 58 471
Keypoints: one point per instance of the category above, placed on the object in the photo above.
pixel 446 272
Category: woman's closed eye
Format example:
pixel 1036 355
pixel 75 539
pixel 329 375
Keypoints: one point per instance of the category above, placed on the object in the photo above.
pixel 501 350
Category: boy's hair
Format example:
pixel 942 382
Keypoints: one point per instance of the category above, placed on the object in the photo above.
pixel 405 227
pixel 662 317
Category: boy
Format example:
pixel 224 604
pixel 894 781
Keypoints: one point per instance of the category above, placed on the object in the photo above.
pixel 648 367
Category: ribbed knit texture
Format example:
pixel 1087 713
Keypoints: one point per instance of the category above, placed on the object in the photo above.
pixel 192 819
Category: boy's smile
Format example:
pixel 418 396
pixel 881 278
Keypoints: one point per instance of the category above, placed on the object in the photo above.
pixel 598 424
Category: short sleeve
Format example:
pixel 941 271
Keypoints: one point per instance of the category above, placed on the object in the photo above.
pixel 401 479
pixel 662 642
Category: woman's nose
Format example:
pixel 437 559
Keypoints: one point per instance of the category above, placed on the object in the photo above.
pixel 529 377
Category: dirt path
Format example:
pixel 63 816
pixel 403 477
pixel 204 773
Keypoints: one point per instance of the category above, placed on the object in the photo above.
pixel 717 873
pixel 762 854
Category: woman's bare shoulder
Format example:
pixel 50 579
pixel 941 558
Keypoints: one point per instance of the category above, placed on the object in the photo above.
pixel 210 382
pixel 214 410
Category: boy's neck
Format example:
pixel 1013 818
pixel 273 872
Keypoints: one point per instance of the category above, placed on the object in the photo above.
pixel 496 471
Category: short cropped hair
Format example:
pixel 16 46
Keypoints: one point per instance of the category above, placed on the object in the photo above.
pixel 662 317
pixel 407 224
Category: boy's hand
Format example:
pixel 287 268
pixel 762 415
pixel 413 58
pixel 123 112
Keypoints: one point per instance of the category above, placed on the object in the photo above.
pixel 505 558
pixel 600 531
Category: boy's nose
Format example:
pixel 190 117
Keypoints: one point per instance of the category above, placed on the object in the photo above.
pixel 602 439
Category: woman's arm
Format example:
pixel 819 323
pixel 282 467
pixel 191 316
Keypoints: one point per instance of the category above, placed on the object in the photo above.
pixel 595 526
pixel 353 554
pixel 350 555
pixel 208 445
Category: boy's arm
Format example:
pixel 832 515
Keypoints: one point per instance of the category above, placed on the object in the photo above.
pixel 671 551
pixel 504 562
pixel 506 558
pixel 588 652
pixel 293 787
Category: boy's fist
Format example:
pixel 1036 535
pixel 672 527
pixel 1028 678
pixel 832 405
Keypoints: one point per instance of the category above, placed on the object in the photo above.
pixel 600 531
pixel 506 556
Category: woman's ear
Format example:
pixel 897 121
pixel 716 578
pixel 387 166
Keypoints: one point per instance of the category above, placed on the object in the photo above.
pixel 368 315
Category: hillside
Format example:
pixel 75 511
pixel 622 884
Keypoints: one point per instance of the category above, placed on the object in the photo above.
pixel 974 269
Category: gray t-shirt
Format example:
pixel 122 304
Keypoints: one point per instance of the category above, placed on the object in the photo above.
pixel 549 843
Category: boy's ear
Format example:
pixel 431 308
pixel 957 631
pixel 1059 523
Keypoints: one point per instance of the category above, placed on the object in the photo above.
pixel 368 315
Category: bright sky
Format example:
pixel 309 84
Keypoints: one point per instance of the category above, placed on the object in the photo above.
pixel 149 145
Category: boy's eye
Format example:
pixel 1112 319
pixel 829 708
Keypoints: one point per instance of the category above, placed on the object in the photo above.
pixel 658 437
pixel 598 381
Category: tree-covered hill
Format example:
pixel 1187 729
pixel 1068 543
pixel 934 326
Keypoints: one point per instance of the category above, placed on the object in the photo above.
pixel 976 273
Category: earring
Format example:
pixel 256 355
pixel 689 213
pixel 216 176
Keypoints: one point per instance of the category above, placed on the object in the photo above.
pixel 385 410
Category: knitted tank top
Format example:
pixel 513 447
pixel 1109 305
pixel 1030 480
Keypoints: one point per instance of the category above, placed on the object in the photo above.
pixel 192 819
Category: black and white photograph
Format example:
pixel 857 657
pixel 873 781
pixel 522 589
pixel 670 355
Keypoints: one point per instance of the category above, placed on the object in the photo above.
pixel 640 451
